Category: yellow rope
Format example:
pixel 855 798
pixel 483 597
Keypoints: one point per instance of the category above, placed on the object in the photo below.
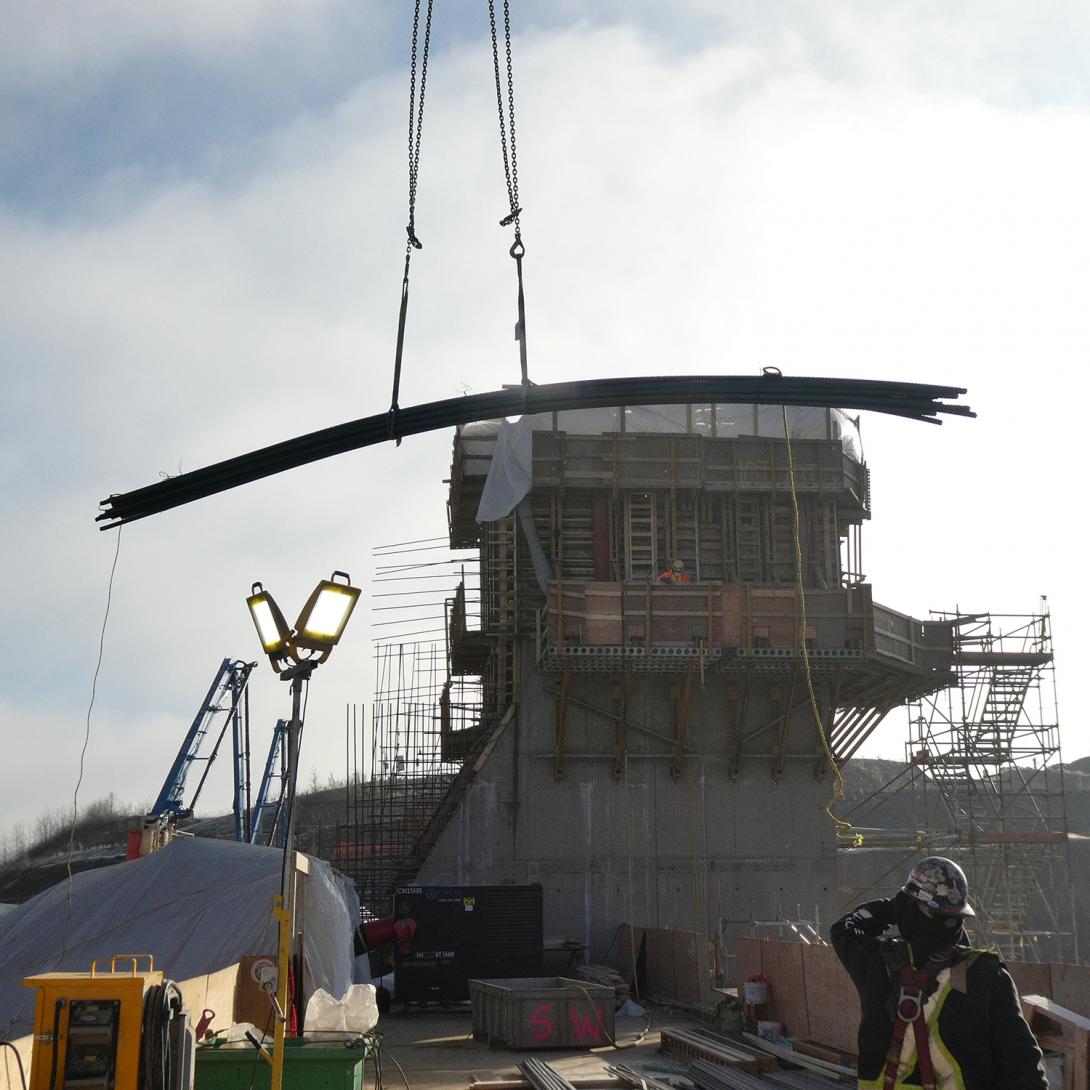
pixel 844 829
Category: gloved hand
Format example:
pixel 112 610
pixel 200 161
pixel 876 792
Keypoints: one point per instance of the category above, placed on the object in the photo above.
pixel 873 917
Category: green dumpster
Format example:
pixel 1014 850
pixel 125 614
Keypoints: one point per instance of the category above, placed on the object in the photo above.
pixel 308 1065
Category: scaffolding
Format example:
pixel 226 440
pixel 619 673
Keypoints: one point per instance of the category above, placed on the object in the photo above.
pixel 400 764
pixel 983 784
pixel 989 749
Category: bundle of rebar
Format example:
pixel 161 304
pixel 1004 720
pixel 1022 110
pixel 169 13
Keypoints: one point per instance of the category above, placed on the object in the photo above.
pixel 710 1076
pixel 544 1076
pixel 915 401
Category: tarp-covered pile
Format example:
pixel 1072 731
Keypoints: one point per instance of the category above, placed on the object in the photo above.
pixel 197 906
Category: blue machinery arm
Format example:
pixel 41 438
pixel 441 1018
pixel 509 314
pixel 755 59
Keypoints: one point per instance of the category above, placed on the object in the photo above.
pixel 224 697
pixel 275 769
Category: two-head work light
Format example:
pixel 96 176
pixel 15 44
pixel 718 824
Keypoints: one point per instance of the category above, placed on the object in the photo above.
pixel 319 627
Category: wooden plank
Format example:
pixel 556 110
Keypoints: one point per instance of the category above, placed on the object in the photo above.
pixel 694 1045
pixel 1058 1029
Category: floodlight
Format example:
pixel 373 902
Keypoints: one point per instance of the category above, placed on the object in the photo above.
pixel 272 629
pixel 323 618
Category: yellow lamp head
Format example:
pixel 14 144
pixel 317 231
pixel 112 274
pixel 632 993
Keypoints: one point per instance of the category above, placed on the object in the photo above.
pixel 322 620
pixel 272 629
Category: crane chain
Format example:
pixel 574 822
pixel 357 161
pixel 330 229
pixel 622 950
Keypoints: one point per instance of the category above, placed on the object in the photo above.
pixel 510 167
pixel 416 127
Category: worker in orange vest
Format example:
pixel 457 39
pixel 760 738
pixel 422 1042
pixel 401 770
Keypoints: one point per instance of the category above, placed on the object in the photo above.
pixel 676 573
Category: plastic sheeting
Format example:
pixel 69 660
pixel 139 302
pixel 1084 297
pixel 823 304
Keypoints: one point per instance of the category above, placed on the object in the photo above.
pixel 511 467
pixel 197 906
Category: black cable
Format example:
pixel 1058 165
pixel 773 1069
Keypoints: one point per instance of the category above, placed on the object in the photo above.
pixel 83 754
pixel 18 1060
pixel 915 401
pixel 162 1004
pixel 257 1051
pixel 58 1006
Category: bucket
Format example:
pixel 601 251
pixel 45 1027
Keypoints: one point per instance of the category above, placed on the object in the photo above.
pixel 769 1031
pixel 755 992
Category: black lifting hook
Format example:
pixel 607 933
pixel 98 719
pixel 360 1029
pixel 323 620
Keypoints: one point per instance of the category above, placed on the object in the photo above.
pixel 517 251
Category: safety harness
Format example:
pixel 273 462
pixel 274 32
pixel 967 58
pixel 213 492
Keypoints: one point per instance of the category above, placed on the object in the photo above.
pixel 914 987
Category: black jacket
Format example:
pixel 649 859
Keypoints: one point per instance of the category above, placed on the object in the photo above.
pixel 980 1026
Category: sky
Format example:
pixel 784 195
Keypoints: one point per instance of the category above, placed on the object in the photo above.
pixel 202 213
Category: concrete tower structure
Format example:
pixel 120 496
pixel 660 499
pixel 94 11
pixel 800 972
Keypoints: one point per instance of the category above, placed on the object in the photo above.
pixel 651 751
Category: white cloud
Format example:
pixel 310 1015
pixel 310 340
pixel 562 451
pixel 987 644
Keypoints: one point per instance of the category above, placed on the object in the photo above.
pixel 687 210
pixel 63 44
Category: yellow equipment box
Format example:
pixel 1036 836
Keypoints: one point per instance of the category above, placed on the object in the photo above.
pixel 87 1026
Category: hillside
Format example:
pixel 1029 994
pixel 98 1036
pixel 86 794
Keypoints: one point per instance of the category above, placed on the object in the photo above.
pixel 100 838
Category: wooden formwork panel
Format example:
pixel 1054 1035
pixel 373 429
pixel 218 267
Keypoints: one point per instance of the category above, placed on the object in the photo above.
pixel 649 460
pixel 724 615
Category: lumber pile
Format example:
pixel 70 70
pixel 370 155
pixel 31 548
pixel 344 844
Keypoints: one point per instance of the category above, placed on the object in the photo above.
pixel 696 1044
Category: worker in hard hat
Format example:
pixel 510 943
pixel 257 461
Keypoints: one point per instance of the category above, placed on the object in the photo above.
pixel 675 573
pixel 937 1013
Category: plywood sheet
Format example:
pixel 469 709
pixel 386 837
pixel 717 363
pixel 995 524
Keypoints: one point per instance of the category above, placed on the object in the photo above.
pixel 9 1069
pixel 255 976
pixel 658 947
pixel 1031 979
pixel 213 992
pixel 832 1003
pixel 1071 988
pixel 686 970
pixel 677 965
pixel 782 965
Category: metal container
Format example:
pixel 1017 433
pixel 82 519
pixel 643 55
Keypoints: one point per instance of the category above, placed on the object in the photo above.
pixel 542 1012
pixel 308 1065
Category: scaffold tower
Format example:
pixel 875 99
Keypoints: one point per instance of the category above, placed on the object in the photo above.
pixel 991 780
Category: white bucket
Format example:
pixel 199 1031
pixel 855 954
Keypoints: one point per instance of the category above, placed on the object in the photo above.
pixel 755 992
pixel 769 1031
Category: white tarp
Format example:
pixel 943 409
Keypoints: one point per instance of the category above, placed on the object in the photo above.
pixel 196 906
pixel 511 468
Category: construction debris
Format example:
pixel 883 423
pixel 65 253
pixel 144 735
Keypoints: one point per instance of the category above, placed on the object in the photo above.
pixel 811 1063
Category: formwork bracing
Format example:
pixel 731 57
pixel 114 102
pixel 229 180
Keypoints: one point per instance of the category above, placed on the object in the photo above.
pixel 983 784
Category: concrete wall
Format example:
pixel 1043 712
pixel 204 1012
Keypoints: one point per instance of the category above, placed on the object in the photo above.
pixel 649 849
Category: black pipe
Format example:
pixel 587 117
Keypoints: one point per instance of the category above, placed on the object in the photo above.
pixel 915 401
pixel 57 1008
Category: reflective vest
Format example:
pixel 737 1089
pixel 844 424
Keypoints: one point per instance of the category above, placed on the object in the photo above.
pixel 916 1041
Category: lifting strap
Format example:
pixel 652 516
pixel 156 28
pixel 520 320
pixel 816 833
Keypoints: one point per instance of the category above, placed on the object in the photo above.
pixel 913 990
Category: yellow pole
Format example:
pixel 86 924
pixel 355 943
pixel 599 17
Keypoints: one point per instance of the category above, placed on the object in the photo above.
pixel 283 960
